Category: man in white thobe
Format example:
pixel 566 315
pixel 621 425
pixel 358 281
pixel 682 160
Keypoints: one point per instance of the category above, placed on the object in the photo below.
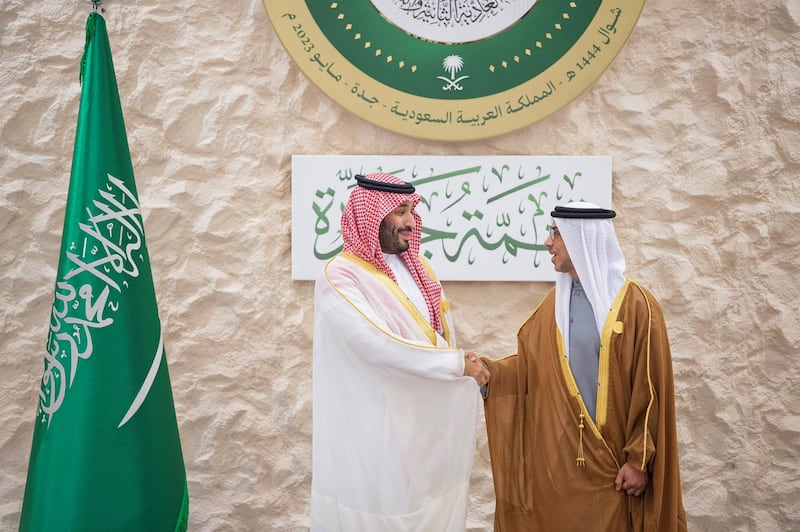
pixel 395 400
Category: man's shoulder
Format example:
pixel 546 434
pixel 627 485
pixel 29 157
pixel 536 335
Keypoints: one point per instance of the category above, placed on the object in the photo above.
pixel 637 293
pixel 346 261
pixel 548 299
pixel 336 266
pixel 428 268
pixel 347 269
pixel 544 309
pixel 635 286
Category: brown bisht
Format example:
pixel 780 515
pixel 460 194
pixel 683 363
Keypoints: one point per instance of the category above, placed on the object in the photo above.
pixel 554 467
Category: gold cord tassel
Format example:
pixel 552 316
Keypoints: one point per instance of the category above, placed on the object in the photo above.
pixel 580 461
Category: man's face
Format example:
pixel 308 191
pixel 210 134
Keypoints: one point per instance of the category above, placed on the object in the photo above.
pixel 396 227
pixel 558 252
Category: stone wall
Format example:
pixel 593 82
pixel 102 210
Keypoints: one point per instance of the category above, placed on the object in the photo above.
pixel 700 113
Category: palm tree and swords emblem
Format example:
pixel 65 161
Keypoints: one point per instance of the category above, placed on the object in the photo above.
pixel 452 64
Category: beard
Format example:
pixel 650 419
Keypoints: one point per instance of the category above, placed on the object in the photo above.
pixel 390 239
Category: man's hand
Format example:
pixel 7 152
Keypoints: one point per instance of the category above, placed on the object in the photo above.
pixel 473 367
pixel 631 480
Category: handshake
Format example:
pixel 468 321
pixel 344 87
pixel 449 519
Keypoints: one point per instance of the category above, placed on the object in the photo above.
pixel 475 368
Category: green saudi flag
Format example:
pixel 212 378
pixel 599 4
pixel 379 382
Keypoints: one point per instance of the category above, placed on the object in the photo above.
pixel 106 453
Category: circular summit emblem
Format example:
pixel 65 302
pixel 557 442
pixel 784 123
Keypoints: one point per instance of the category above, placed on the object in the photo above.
pixel 453 69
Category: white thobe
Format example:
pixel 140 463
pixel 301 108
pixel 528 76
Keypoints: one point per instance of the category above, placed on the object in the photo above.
pixel 394 417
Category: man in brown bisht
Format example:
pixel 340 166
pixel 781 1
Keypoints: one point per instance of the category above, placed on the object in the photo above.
pixel 581 420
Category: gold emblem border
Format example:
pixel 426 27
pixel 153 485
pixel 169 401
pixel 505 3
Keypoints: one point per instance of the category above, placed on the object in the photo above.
pixel 449 119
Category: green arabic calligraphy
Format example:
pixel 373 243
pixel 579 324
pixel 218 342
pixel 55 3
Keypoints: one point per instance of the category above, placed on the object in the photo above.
pixel 507 214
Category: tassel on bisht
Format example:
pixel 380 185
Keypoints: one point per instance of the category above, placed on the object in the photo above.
pixel 580 461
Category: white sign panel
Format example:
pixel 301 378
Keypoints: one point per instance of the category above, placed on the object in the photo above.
pixel 484 218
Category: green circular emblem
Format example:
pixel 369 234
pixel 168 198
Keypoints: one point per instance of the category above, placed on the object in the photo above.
pixel 453 69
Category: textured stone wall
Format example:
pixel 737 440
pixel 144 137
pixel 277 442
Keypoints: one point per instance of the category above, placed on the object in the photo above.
pixel 700 112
